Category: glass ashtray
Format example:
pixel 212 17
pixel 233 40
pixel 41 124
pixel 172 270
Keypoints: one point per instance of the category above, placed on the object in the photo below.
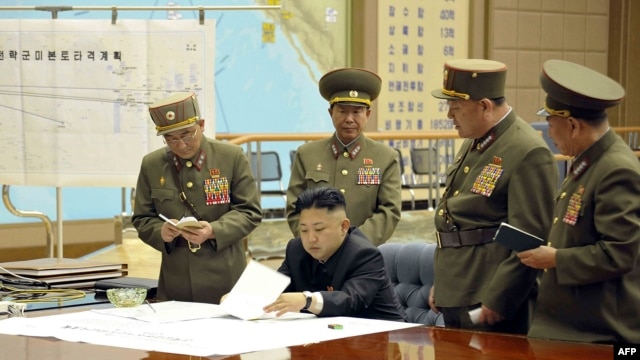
pixel 127 297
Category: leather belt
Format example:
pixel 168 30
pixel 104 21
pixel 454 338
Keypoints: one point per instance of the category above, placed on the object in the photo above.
pixel 465 238
pixel 181 242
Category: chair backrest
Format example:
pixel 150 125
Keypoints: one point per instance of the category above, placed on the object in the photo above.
pixel 401 162
pixel 270 166
pixel 424 161
pixel 410 267
pixel 292 156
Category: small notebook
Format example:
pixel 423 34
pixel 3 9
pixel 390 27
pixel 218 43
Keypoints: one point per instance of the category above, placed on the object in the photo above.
pixel 516 239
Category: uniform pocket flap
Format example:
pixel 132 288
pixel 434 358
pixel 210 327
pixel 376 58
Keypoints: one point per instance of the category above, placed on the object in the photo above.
pixel 162 194
pixel 317 176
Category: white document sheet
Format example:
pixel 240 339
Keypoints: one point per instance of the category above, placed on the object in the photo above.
pixel 258 286
pixel 174 311
pixel 201 337
pixel 167 311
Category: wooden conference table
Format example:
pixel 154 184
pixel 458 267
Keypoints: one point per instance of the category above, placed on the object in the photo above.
pixel 419 343
pixel 412 343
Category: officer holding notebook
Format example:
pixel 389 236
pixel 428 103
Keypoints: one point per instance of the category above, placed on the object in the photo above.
pixel 504 172
pixel 590 289
pixel 206 179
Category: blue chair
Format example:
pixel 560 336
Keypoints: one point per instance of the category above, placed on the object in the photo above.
pixel 410 267
pixel 270 172
pixel 409 185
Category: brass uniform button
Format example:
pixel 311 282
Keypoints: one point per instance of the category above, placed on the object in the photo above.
pixel 189 163
pixel 441 212
pixel 466 169
pixel 345 154
pixel 189 184
pixel 343 191
pixel 563 195
pixel 345 172
pixel 455 193
pixel 555 220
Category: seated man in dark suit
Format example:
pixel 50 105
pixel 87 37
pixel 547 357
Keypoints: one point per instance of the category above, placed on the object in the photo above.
pixel 334 269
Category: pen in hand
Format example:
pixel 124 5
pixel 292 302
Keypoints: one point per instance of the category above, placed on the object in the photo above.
pixel 166 219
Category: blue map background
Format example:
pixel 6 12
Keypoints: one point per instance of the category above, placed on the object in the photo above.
pixel 260 88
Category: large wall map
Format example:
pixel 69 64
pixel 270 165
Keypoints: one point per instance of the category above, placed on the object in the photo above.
pixel 74 95
pixel 267 65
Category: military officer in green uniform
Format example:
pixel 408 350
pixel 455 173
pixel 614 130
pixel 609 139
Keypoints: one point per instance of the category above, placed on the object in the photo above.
pixel 200 177
pixel 590 289
pixel 503 172
pixel 367 172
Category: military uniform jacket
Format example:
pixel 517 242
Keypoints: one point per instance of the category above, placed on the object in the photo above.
pixel 509 175
pixel 224 192
pixel 593 293
pixel 353 282
pixel 368 174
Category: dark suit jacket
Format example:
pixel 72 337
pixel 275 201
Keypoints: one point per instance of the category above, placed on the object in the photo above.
pixel 353 282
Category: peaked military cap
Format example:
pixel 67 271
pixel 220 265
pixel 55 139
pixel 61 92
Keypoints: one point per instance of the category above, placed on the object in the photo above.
pixel 178 111
pixel 472 79
pixel 576 90
pixel 351 86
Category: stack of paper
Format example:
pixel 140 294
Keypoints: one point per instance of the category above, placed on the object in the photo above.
pixel 62 272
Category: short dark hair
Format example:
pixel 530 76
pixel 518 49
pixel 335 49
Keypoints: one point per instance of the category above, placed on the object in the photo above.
pixel 593 119
pixel 321 198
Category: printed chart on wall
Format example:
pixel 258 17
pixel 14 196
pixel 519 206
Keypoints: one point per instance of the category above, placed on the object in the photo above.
pixel 74 95
pixel 415 39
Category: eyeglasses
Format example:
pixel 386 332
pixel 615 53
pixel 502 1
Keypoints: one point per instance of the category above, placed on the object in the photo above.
pixel 185 139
